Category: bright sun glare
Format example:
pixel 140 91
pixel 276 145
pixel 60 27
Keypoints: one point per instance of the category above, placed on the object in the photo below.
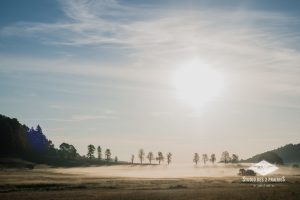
pixel 197 83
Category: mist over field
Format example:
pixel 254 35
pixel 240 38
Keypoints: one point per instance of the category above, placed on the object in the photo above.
pixel 134 182
pixel 153 171
pixel 164 171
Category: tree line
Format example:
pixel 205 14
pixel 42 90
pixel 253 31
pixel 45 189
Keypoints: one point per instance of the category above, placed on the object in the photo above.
pixel 151 157
pixel 18 140
pixel 107 154
pixel 225 158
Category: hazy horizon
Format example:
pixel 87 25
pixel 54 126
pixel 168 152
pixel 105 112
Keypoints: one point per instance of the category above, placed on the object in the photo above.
pixel 172 76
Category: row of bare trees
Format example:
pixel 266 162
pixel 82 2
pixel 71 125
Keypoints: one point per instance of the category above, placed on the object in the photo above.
pixel 225 158
pixel 205 158
pixel 151 157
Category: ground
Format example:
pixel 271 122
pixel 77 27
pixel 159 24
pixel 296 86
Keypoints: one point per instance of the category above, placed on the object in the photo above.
pixel 49 183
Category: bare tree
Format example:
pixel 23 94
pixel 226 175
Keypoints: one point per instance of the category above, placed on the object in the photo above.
pixel 141 155
pixel 234 158
pixel 160 157
pixel 225 157
pixel 204 158
pixel 132 158
pixel 213 158
pixel 108 154
pixel 99 150
pixel 169 158
pixel 150 157
pixel 196 158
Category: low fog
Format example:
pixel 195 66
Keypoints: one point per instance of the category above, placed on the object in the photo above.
pixel 165 171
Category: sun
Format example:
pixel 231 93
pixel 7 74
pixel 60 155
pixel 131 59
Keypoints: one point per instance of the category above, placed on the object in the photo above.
pixel 197 83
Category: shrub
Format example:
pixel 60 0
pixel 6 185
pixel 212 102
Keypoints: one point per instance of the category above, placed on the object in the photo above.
pixel 246 172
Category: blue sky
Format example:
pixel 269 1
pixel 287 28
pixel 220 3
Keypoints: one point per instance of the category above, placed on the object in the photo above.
pixel 102 72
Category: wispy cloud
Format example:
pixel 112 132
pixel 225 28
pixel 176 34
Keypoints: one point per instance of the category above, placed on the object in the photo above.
pixel 108 22
pixel 234 37
pixel 258 43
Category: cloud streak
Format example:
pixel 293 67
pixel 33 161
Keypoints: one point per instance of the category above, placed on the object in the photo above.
pixel 233 37
pixel 258 43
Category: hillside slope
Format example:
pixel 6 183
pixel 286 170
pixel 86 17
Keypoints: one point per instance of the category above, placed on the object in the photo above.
pixel 289 153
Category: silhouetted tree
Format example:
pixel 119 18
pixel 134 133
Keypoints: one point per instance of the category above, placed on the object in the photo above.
pixel 160 157
pixel 212 158
pixel 39 129
pixel 204 158
pixel 99 150
pixel 150 157
pixel 73 152
pixel 132 159
pixel 37 140
pixel 52 152
pixel 63 147
pixel 91 151
pixel 141 155
pixel 13 137
pixel 116 159
pixel 50 145
pixel 7 143
pixel 225 157
pixel 67 151
pixel 196 158
pixel 234 158
pixel 108 154
pixel 169 158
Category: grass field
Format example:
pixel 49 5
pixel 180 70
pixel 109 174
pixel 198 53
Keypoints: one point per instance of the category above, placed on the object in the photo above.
pixel 143 182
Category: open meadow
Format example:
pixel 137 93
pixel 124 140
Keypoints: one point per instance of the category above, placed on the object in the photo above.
pixel 144 182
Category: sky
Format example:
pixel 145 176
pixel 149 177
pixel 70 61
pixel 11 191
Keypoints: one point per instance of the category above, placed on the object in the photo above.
pixel 170 76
